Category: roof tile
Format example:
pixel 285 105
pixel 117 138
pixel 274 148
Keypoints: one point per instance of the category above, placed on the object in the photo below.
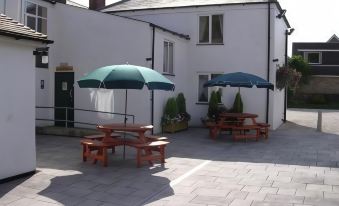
pixel 9 26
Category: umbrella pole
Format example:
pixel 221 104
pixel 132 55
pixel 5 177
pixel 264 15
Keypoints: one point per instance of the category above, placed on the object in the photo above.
pixel 125 122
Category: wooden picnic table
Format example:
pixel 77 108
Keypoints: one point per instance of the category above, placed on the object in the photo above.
pixel 239 116
pixel 232 121
pixel 139 129
pixel 145 145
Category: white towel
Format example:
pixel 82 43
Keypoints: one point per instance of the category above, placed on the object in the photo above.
pixel 104 102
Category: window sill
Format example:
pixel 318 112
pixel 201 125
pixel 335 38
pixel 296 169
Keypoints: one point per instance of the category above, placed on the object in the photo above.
pixel 168 74
pixel 201 103
pixel 209 44
pixel 206 103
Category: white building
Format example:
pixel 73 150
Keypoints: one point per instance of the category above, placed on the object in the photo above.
pixel 17 79
pixel 226 36
pixel 188 41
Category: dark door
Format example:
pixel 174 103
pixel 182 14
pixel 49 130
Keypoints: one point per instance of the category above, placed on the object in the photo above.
pixel 64 94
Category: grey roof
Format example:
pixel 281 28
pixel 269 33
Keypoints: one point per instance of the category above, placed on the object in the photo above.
pixel 126 5
pixel 333 39
pixel 12 28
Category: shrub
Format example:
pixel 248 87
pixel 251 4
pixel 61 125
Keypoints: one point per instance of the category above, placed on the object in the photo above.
pixel 181 102
pixel 298 63
pixel 213 106
pixel 171 109
pixel 238 105
pixel 318 99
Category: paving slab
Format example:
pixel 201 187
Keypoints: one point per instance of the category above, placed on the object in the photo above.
pixel 294 166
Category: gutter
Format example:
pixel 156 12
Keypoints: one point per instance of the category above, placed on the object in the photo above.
pixel 20 36
pixel 268 56
pixel 50 1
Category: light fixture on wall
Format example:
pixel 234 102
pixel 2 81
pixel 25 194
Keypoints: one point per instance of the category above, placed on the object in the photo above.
pixel 282 13
pixel 290 31
pixel 43 52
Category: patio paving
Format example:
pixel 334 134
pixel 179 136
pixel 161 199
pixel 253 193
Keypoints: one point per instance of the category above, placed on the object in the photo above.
pixel 296 166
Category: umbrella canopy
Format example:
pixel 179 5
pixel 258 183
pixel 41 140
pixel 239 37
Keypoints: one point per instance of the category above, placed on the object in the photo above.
pixel 239 79
pixel 125 76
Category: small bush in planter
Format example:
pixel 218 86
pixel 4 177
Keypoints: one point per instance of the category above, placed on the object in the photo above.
pixel 175 116
pixel 181 102
pixel 213 106
pixel 171 111
pixel 238 106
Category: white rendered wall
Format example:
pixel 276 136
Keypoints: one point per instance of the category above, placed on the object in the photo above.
pixel 88 40
pixel 278 47
pixel 180 78
pixel 17 119
pixel 244 49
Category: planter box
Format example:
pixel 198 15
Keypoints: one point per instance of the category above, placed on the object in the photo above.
pixel 175 127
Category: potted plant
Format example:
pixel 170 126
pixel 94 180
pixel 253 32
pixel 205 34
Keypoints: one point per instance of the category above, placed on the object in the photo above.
pixel 238 106
pixel 175 115
pixel 215 107
pixel 287 77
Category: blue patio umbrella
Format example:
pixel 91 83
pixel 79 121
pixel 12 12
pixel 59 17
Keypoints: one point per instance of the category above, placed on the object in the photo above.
pixel 239 79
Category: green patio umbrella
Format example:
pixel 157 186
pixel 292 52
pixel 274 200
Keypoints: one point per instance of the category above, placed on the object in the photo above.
pixel 126 77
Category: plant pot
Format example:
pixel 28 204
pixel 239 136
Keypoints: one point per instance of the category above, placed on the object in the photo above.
pixel 175 127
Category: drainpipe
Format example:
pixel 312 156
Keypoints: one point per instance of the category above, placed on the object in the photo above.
pixel 152 67
pixel 268 56
pixel 288 32
pixel 285 95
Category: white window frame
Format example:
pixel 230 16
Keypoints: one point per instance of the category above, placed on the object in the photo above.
pixel 315 52
pixel 210 28
pixel 36 16
pixel 168 63
pixel 209 89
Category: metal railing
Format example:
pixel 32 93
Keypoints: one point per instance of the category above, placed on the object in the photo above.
pixel 67 121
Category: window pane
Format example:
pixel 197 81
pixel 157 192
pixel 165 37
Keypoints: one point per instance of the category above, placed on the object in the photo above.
pixel 30 8
pixel 203 91
pixel 30 22
pixel 42 26
pixel 42 11
pixel 217 29
pixel 165 69
pixel 204 29
pixel 313 58
pixel 170 58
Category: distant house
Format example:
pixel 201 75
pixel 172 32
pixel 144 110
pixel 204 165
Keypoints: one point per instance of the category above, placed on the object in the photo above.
pixel 323 58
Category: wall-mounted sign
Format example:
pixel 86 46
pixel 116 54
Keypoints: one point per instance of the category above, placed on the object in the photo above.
pixel 64 86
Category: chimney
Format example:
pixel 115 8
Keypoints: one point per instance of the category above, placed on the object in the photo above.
pixel 96 4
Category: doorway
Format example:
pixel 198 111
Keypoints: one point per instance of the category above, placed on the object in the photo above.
pixel 64 97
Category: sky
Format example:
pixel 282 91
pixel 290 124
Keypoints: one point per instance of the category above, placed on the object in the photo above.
pixel 313 20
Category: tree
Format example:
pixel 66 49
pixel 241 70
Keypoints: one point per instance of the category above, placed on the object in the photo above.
pixel 297 62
